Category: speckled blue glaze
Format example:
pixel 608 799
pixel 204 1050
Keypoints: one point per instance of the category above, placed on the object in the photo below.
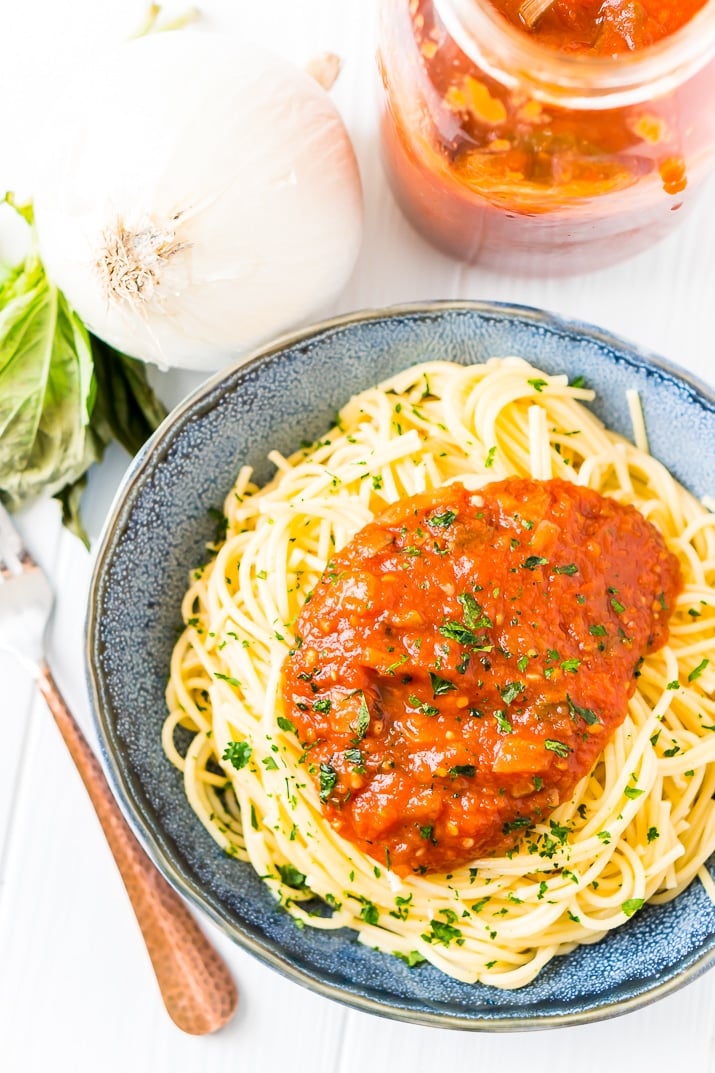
pixel 157 530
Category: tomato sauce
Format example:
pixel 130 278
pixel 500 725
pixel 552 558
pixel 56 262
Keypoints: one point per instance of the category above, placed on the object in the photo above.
pixel 465 659
pixel 603 27
pixel 491 173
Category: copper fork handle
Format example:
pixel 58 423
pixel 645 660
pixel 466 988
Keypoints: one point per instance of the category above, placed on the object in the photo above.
pixel 195 984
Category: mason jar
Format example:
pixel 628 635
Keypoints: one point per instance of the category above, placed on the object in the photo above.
pixel 529 157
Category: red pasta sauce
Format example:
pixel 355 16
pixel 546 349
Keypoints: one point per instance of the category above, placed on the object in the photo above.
pixel 464 660
pixel 603 27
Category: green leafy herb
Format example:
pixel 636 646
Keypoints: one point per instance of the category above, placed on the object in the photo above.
pixel 238 753
pixel 464 636
pixel 322 704
pixel 228 678
pixel 412 959
pixel 64 395
pixel 286 724
pixel 327 778
pixel 422 706
pixel 597 630
pixel 440 685
pixel 571 665
pixel 467 770
pixel 503 723
pixel 558 747
pixel 538 383
pixel 369 913
pixel 443 933
pixel 363 720
pixel 533 561
pixel 570 569
pixel 511 690
pixel 632 905
pixel 291 876
pixel 355 757
pixel 697 671
pixel 475 618
pixel 445 518
pixel 587 714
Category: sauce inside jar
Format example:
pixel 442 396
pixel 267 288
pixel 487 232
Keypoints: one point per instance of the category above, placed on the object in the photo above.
pixel 490 172
pixel 466 658
pixel 602 27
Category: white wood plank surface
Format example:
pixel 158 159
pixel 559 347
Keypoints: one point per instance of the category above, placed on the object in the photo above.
pixel 76 992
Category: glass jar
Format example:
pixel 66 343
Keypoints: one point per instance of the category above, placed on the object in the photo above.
pixel 530 160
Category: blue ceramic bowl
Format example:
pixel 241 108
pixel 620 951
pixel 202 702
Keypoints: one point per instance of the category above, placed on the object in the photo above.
pixel 283 394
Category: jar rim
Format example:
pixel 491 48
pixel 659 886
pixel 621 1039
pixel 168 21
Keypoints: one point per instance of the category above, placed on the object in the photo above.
pixel 512 57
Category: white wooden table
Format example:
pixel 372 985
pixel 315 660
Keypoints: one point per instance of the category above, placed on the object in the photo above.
pixel 76 990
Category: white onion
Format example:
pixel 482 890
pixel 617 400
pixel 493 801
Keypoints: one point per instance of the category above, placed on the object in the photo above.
pixel 203 197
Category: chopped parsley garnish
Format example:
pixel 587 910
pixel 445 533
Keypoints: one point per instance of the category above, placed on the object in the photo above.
pixel 355 757
pixel 570 569
pixel 328 776
pixel 538 383
pixel 370 913
pixel 489 460
pixel 363 719
pixel 443 933
pixel 558 747
pixel 697 671
pixel 323 704
pixel 617 605
pixel 475 618
pixel 238 753
pixel 398 663
pixel 413 958
pixel 286 724
pixel 503 723
pixel 632 905
pixel 422 706
pixel 427 832
pixel 455 631
pixel 291 876
pixel 511 690
pixel 633 792
pixel 443 519
pixel 533 561
pixel 597 630
pixel 227 678
pixel 440 685
pixel 467 770
pixel 587 714
pixel 269 763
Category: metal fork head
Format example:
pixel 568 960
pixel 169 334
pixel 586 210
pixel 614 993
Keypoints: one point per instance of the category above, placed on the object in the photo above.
pixel 25 599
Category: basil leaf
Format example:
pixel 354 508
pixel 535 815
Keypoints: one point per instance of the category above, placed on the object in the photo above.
pixel 64 395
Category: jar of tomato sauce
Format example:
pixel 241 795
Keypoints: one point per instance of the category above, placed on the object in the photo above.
pixel 558 147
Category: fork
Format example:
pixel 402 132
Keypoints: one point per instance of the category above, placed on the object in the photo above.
pixel 195 984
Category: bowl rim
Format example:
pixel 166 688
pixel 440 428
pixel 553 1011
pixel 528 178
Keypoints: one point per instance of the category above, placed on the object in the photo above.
pixel 196 404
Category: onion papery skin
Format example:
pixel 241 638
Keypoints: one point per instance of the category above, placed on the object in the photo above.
pixel 204 196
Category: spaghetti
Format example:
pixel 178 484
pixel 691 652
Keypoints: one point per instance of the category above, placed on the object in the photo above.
pixel 639 827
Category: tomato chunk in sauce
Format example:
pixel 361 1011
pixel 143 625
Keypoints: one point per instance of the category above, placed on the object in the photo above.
pixel 603 27
pixel 466 657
